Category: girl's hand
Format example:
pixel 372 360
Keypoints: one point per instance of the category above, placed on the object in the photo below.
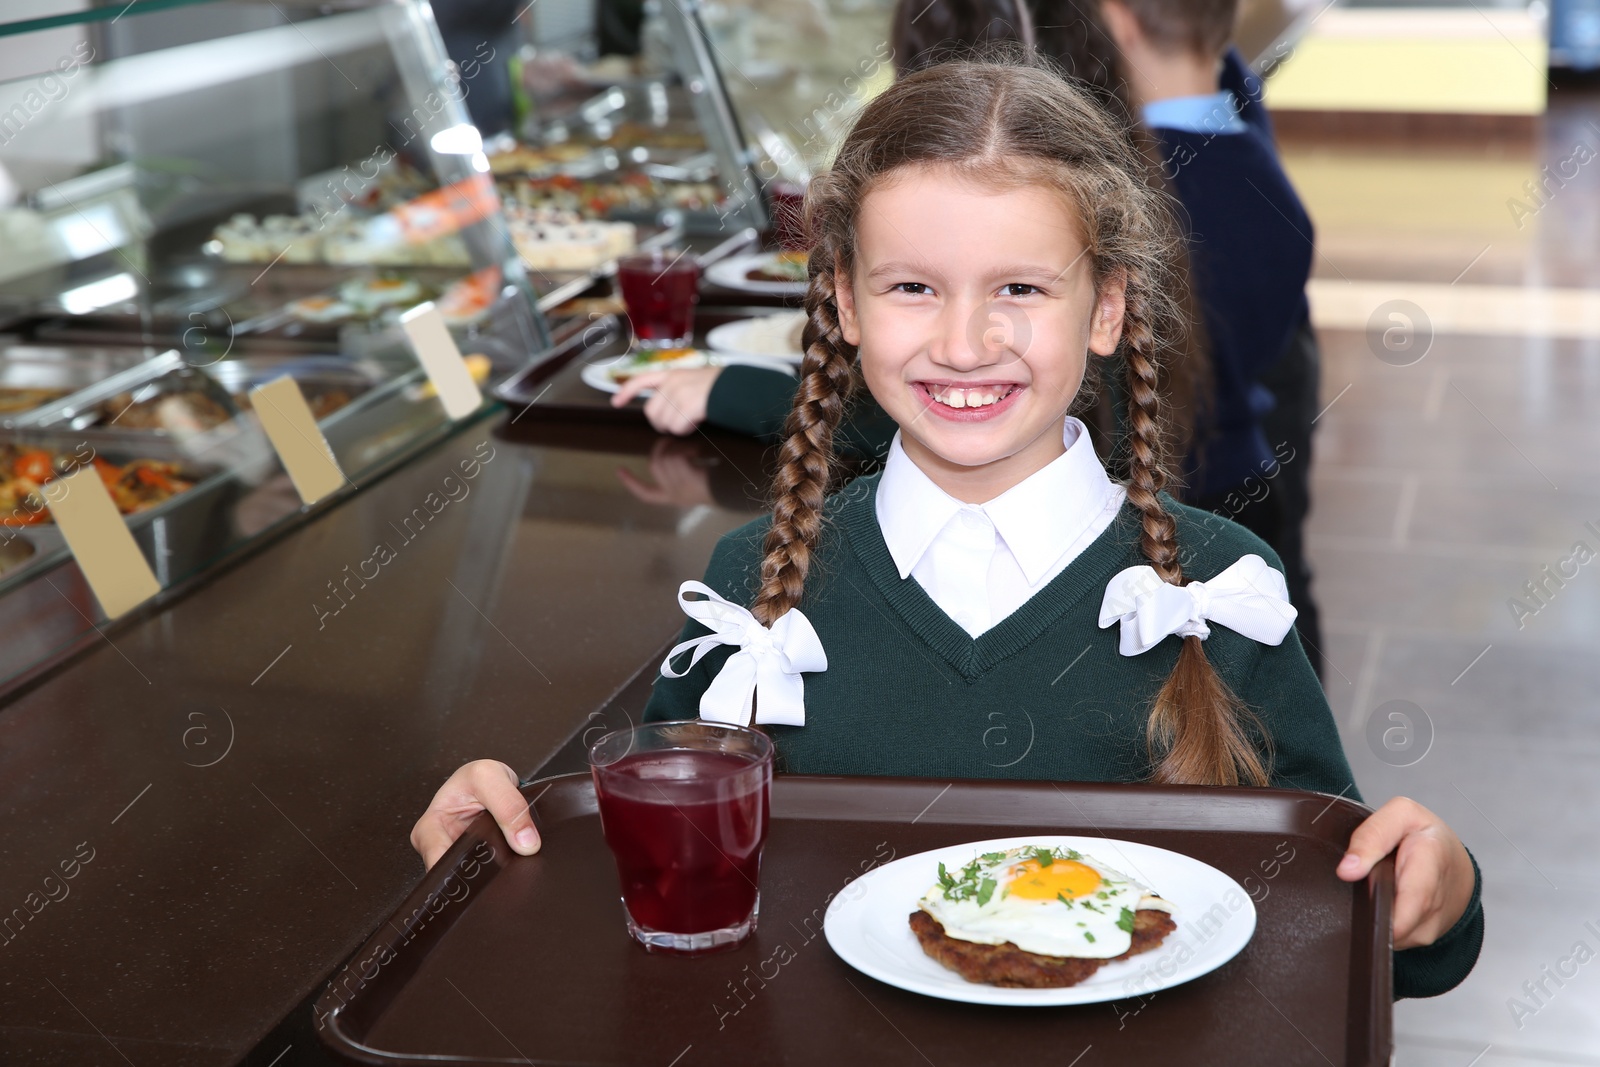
pixel 482 785
pixel 1432 872
pixel 679 403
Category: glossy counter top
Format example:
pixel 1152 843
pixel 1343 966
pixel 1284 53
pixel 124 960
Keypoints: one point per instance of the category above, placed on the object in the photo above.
pixel 208 810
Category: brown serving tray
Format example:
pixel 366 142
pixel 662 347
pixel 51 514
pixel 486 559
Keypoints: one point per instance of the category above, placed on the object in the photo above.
pixel 498 959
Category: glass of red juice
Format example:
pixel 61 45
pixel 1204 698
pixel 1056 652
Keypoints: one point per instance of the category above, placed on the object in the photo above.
pixel 660 289
pixel 684 809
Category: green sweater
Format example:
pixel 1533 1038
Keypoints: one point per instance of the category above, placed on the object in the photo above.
pixel 909 692
pixel 755 401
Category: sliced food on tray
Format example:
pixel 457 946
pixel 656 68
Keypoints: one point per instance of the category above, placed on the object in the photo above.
pixel 134 486
pixel 1037 918
pixel 469 299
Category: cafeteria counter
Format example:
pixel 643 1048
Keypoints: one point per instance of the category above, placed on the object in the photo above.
pixel 231 779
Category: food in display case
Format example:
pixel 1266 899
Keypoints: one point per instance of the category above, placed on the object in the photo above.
pixel 343 241
pixel 14 400
pixel 597 198
pixel 180 411
pixel 527 159
pixel 329 383
pixel 134 486
pixel 322 401
pixel 469 299
pixel 555 239
pixel 362 299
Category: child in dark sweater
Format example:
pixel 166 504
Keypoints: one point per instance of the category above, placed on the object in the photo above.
pixel 986 249
pixel 1250 246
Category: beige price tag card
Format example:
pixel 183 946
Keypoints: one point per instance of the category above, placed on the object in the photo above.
pixel 100 541
pixel 292 429
pixel 440 357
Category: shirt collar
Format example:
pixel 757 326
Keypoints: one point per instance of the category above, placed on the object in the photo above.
pixel 1209 113
pixel 1038 518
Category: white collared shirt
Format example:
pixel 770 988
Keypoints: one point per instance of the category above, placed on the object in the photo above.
pixel 981 562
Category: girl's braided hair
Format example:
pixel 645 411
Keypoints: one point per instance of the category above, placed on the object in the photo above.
pixel 1013 124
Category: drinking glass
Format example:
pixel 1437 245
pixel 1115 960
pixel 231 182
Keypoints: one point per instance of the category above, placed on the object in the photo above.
pixel 684 808
pixel 660 289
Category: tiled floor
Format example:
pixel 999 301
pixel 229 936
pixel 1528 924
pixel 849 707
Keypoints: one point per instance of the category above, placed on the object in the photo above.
pixel 1442 488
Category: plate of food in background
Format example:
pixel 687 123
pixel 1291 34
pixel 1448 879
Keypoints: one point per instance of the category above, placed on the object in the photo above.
pixel 609 375
pixel 768 336
pixel 1039 921
pixel 768 273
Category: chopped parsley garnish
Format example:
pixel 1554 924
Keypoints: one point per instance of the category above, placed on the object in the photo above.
pixel 1064 900
pixel 992 857
pixel 1125 921
pixel 1087 936
pixel 1043 856
pixel 967 885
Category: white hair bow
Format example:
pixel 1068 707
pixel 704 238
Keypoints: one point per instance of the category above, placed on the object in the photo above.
pixel 1249 597
pixel 763 674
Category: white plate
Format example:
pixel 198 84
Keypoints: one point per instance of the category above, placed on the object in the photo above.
pixel 867 924
pixel 765 336
pixel 597 376
pixel 730 274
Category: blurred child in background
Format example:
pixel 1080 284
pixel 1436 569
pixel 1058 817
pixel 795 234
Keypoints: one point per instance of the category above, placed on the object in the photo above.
pixel 1250 243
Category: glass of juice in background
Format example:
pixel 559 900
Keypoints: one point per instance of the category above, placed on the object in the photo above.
pixel 684 809
pixel 660 289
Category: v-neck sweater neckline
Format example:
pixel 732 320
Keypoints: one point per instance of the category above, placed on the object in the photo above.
pixel 970 656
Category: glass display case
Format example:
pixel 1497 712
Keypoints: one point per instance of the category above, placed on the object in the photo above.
pixel 196 199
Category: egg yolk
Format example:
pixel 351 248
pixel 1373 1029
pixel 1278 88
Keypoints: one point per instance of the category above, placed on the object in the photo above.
pixel 1066 878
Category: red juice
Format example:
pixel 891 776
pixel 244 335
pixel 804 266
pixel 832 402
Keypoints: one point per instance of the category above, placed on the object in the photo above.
pixel 686 828
pixel 660 290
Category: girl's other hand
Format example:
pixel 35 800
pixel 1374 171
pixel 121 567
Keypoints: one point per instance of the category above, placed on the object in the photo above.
pixel 679 403
pixel 482 785
pixel 1432 871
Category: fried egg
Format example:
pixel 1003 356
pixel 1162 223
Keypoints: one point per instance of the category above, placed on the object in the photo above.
pixel 1055 902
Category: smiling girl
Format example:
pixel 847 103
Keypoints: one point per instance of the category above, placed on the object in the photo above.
pixel 986 251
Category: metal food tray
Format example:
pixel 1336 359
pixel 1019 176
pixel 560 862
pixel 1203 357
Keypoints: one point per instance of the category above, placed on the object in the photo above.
pixel 195 521
pixel 236 376
pixel 498 958
pixel 51 415
pixel 55 367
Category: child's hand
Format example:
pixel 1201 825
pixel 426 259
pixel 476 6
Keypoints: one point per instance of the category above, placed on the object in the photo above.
pixel 679 404
pixel 1432 872
pixel 481 785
